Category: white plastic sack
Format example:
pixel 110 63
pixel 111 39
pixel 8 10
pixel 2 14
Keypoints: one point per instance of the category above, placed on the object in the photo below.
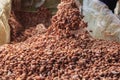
pixel 5 7
pixel 102 23
pixel 117 9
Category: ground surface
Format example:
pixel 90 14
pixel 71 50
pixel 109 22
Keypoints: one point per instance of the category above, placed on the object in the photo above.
pixel 64 51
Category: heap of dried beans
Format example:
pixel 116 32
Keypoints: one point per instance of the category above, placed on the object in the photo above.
pixel 65 51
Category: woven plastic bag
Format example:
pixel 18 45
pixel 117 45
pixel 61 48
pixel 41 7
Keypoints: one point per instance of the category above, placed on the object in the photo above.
pixel 102 23
pixel 5 7
pixel 117 9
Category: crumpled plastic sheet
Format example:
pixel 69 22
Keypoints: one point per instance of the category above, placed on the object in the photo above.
pixel 102 23
pixel 5 8
pixel 117 9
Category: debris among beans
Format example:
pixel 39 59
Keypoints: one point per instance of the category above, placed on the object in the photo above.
pixel 65 51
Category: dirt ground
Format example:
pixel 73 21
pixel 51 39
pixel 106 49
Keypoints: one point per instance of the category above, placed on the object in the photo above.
pixel 62 51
